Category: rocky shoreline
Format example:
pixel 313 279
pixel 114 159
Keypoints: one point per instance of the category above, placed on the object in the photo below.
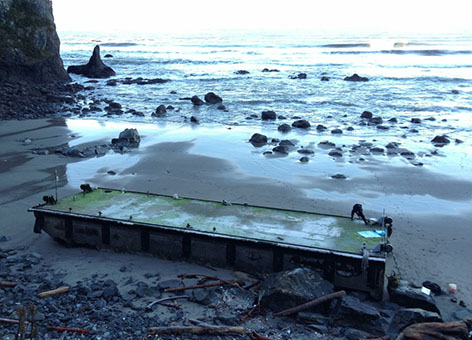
pixel 26 100
pixel 142 305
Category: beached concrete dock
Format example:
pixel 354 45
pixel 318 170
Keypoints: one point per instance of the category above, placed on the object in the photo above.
pixel 250 238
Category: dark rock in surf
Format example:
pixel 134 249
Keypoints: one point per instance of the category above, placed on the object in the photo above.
pixel 268 115
pixel 270 70
pixel 335 153
pixel 299 76
pixel 304 159
pixel 286 142
pixel 197 101
pixel 283 149
pixel 356 77
pixel 212 98
pixel 301 124
pixel 221 107
pixel 321 127
pixel 338 176
pixel 393 120
pixel 306 152
pixel 284 128
pixel 324 78
pixel 108 56
pixel 160 111
pixel 337 131
pixel 440 140
pixel 258 140
pixel 241 72
pixel 416 120
pixel 375 120
pixel 366 114
pixel 194 120
pixel 95 68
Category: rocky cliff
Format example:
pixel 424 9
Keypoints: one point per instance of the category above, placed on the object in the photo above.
pixel 29 44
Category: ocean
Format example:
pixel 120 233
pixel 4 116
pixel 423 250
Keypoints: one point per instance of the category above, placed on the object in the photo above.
pixel 427 77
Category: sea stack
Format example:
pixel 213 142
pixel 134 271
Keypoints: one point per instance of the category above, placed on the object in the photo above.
pixel 95 68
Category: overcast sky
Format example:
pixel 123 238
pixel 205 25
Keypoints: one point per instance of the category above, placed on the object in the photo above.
pixel 420 16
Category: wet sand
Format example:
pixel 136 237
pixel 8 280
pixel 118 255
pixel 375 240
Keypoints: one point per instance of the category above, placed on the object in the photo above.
pixel 430 209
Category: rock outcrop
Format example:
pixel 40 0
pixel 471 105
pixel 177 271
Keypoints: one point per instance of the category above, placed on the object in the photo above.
pixel 29 44
pixel 95 68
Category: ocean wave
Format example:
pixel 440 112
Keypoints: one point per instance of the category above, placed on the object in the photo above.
pixel 119 44
pixel 345 45
pixel 406 52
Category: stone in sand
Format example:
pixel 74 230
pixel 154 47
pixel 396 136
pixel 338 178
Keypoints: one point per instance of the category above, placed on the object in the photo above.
pixel 95 68
pixel 301 124
pixel 258 140
pixel 128 137
pixel 197 101
pixel 356 77
pixel 268 115
pixel 212 98
pixel 283 149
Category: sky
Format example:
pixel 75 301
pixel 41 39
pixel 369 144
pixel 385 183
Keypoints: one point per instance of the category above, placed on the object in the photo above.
pixel 420 16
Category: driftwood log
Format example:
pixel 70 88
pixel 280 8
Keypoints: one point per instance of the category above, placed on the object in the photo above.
pixel 8 284
pixel 311 303
pixel 436 330
pixel 56 291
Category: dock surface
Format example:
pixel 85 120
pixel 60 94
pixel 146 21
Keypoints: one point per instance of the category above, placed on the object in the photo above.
pixel 236 220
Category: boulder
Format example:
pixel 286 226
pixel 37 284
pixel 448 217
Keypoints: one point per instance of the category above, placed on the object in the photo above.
pixel 321 127
pixel 197 101
pixel 95 68
pixel 335 153
pixel 407 296
pixel 284 128
pixel 128 138
pixel 366 114
pixel 405 317
pixel 440 140
pixel 301 124
pixel 160 111
pixel 268 115
pixel 299 76
pixel 337 131
pixel 356 77
pixel 258 140
pixel 375 120
pixel 212 98
pixel 356 314
pixel 286 142
pixel 283 149
pixel 291 288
